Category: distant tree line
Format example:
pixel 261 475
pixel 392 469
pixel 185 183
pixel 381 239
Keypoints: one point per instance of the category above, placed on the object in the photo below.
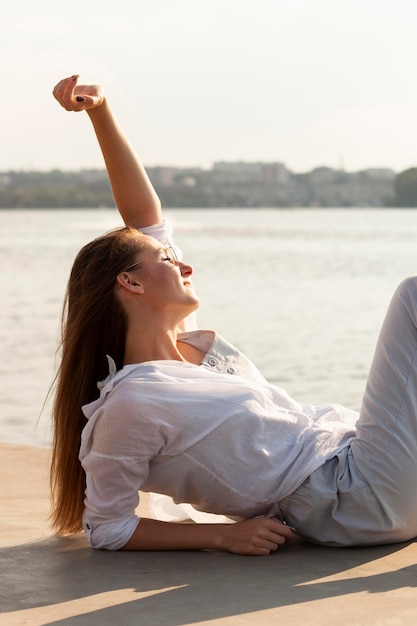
pixel 55 189
pixel 201 188
pixel 405 187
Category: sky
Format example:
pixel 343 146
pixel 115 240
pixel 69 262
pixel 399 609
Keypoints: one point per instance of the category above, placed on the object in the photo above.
pixel 303 82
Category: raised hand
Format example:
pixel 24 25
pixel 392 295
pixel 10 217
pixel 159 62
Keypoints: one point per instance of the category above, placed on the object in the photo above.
pixel 74 97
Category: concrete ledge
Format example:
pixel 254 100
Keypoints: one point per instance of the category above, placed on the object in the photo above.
pixel 50 580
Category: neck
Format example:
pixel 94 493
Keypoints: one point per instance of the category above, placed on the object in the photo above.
pixel 147 345
pixel 161 347
pixel 152 335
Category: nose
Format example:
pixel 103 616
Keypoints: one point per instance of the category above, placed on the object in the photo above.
pixel 186 270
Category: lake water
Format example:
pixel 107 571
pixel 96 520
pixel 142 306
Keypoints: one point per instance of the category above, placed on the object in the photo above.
pixel 302 292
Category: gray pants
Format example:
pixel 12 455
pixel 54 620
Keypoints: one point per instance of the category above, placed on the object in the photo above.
pixel 367 494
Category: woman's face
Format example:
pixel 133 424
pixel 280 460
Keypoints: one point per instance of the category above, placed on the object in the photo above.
pixel 165 280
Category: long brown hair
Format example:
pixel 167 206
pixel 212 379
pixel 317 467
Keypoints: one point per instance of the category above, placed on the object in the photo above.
pixel 93 325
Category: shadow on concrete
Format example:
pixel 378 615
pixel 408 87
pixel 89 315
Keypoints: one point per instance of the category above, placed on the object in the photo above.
pixel 184 587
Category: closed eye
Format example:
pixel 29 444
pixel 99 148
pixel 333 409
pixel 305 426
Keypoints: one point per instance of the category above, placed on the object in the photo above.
pixel 171 258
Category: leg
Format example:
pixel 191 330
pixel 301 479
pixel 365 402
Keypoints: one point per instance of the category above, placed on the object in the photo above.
pixel 367 494
pixel 385 448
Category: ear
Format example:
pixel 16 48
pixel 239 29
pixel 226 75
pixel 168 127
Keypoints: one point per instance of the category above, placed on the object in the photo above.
pixel 126 281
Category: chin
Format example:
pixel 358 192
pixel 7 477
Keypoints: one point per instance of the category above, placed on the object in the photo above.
pixel 194 307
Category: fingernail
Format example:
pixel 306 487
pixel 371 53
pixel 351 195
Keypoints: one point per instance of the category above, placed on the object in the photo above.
pixel 74 76
pixel 80 99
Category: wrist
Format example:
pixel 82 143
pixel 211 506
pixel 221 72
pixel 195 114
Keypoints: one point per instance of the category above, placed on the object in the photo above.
pixel 218 538
pixel 101 110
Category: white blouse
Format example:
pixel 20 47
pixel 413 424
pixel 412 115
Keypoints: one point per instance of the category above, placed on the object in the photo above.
pixel 216 436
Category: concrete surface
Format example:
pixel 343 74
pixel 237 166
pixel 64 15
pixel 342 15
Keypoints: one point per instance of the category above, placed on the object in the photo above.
pixel 61 581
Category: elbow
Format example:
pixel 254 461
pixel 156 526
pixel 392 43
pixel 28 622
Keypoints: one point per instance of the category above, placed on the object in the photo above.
pixel 113 535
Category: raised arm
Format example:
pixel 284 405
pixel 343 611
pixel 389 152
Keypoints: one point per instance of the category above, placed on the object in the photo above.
pixel 133 192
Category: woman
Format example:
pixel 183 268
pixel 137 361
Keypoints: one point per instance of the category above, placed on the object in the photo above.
pixel 185 414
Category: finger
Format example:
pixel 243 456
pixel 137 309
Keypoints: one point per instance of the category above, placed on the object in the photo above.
pixel 61 88
pixel 269 545
pixel 262 552
pixel 64 91
pixel 272 546
pixel 57 91
pixel 84 102
pixel 283 529
pixel 93 95
pixel 260 548
pixel 275 538
pixel 269 540
pixel 69 87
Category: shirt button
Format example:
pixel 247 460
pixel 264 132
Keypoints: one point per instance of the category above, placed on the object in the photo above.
pixel 231 370
pixel 88 527
pixel 212 361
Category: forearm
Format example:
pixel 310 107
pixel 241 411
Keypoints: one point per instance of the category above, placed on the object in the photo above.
pixel 133 192
pixel 258 536
pixel 156 535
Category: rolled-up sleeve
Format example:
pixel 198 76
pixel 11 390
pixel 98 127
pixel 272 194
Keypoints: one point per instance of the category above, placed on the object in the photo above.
pixel 112 495
pixel 115 454
pixel 163 232
pixel 110 536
